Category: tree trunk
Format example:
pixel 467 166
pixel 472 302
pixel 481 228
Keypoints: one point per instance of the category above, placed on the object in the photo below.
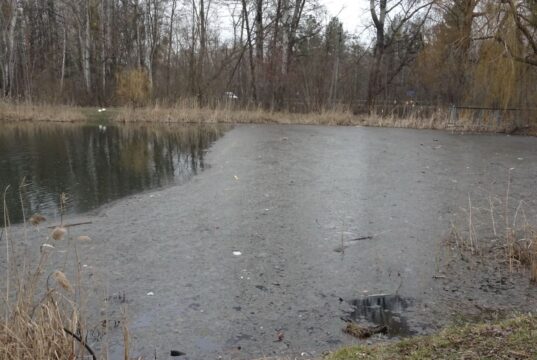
pixel 259 44
pixel 9 65
pixel 378 22
pixel 203 46
pixel 250 51
pixel 104 49
pixel 87 50
pixel 148 53
pixel 192 56
pixel 335 74
pixel 64 53
pixel 168 60
pixel 285 35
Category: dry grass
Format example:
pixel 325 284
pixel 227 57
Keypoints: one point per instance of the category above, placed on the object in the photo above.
pixel 41 314
pixel 440 119
pixel 187 111
pixel 34 112
pixel 509 339
pixel 498 230
pixel 43 305
pixel 363 332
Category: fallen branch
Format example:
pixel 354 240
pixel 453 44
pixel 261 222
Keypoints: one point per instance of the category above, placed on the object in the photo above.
pixel 369 237
pixel 79 339
pixel 71 225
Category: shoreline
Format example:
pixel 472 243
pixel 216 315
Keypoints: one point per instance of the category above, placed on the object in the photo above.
pixel 29 113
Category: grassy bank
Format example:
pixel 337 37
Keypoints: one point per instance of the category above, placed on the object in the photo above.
pixel 30 112
pixel 509 339
pixel 188 112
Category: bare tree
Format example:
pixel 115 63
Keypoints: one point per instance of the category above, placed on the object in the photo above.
pixel 405 11
pixel 10 15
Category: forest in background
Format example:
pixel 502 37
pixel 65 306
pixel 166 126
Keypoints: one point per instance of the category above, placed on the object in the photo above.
pixel 276 54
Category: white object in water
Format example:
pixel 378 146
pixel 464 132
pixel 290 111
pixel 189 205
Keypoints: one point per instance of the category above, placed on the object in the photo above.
pixel 237 253
pixel 101 110
pixel 150 293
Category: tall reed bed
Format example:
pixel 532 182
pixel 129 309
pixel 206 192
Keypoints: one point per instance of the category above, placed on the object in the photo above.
pixel 24 111
pixel 226 112
pixel 501 227
pixel 44 295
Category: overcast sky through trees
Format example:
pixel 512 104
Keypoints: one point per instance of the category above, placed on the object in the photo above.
pixel 353 13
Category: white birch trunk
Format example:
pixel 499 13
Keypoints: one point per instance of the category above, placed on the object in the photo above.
pixel 87 50
pixel 104 27
pixel 64 53
pixel 286 17
pixel 10 63
pixel 148 53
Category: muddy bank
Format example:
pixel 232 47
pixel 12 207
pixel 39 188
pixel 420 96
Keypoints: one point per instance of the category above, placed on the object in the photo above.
pixel 258 255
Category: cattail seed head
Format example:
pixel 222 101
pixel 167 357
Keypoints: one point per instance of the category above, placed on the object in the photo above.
pixel 37 219
pixel 58 233
pixel 61 279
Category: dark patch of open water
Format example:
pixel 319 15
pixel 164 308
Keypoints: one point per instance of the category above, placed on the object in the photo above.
pixel 93 164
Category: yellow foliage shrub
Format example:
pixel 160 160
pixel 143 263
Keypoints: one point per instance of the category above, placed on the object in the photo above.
pixel 133 87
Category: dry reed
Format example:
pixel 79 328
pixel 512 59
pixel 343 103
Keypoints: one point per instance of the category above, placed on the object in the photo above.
pixel 10 111
pixel 37 219
pixel 187 111
pixel 40 322
pixel 516 245
pixel 43 305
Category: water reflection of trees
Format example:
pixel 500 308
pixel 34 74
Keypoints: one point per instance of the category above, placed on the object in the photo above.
pixel 95 166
